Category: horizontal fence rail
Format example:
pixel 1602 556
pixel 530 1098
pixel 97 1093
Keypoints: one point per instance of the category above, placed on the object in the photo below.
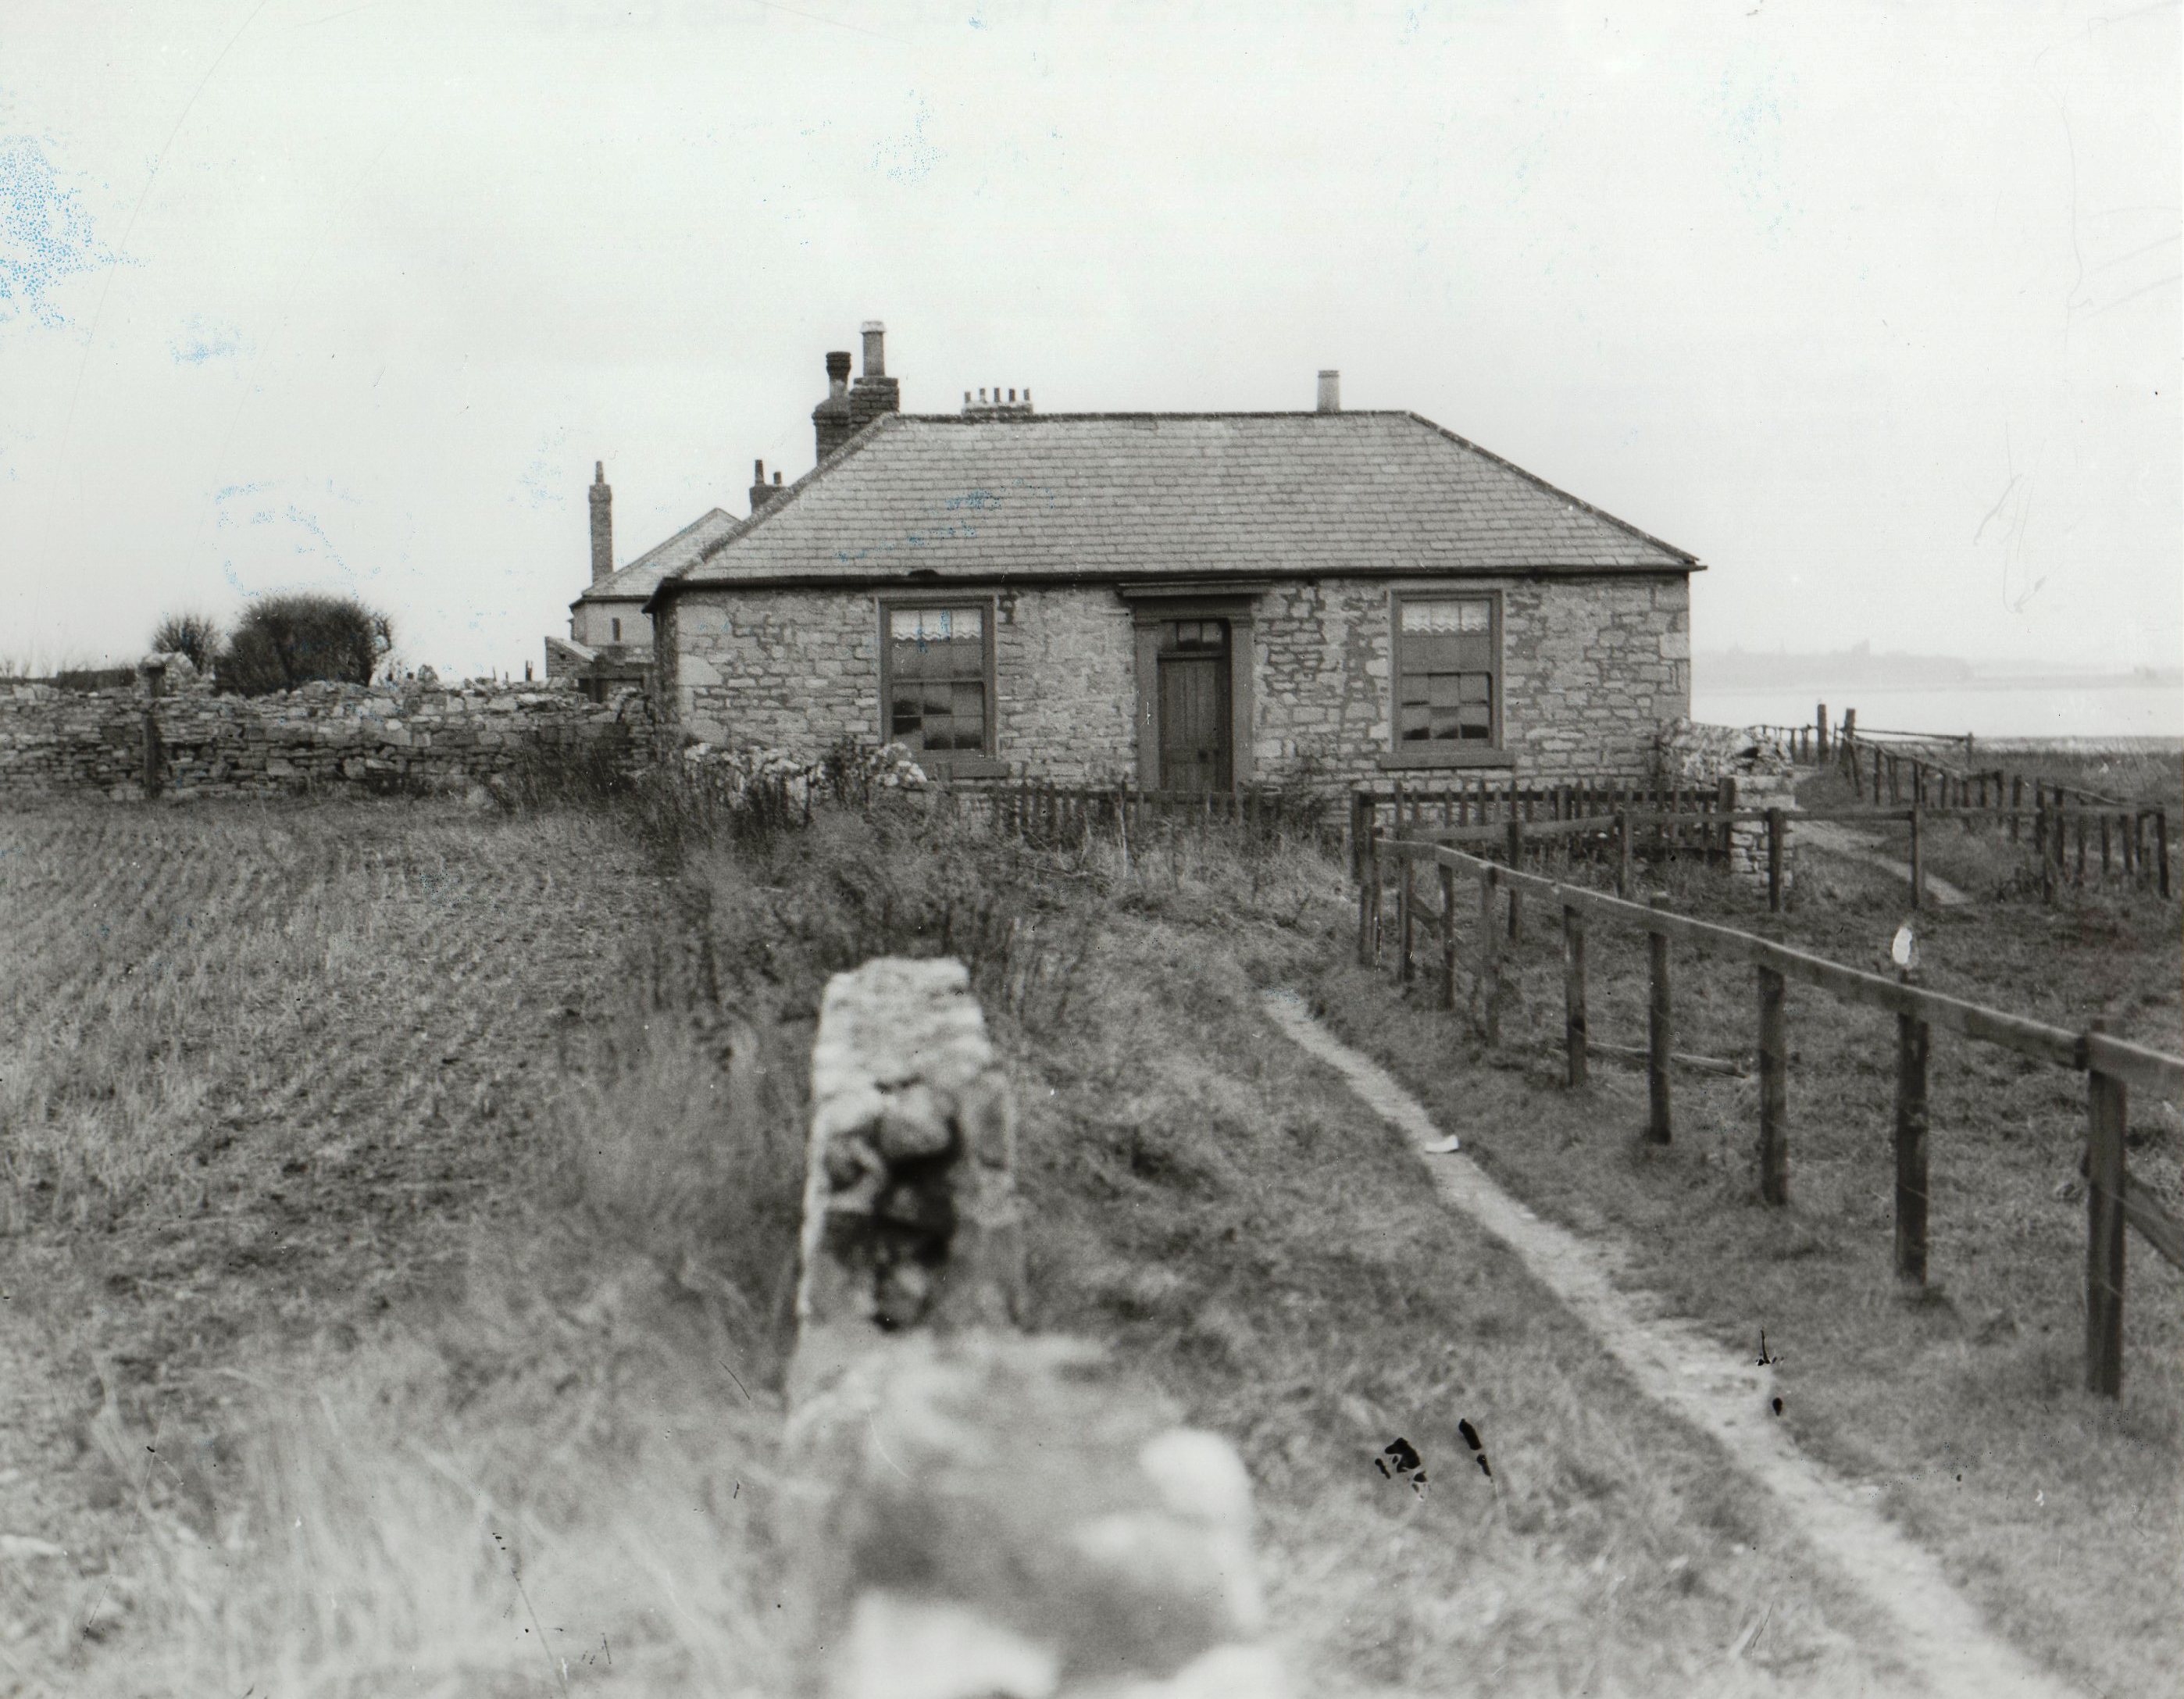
pixel 2113 1066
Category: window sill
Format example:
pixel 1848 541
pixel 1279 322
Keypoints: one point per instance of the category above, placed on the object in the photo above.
pixel 1448 756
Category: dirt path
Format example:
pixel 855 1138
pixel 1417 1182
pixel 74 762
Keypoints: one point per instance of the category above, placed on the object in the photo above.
pixel 1724 1394
pixel 1833 838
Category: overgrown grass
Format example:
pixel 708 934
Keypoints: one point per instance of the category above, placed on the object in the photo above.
pixel 396 1257
pixel 1224 1214
pixel 2059 1509
pixel 405 1209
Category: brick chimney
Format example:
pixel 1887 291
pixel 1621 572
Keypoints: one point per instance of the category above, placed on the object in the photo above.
pixel 1330 392
pixel 761 491
pixel 602 525
pixel 876 392
pixel 830 419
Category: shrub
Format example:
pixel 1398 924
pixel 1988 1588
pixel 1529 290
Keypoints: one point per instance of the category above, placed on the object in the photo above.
pixel 193 635
pixel 285 641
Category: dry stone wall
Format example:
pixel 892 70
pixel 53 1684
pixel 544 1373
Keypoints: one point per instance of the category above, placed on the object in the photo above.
pixel 411 737
pixel 1689 751
pixel 977 1512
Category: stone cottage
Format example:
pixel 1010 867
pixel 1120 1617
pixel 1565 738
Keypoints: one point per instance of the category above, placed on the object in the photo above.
pixel 1183 601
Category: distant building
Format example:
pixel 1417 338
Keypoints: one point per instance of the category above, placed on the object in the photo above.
pixel 1183 601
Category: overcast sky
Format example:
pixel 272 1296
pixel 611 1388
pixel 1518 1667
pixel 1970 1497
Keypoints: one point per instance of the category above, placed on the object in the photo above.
pixel 1874 306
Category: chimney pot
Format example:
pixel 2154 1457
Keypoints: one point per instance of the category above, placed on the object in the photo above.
pixel 776 480
pixel 1330 392
pixel 875 335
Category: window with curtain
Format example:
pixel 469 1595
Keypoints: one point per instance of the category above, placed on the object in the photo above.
pixel 1448 666
pixel 938 689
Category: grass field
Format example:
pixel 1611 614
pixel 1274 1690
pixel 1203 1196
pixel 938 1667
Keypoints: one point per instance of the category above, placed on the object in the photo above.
pixel 400 1208
pixel 2060 1511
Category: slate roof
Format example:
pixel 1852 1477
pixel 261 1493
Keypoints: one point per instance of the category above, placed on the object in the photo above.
pixel 635 581
pixel 1200 495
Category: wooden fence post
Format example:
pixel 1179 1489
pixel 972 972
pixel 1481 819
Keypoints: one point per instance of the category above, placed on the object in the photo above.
pixel 1490 961
pixel 1573 1021
pixel 1622 854
pixel 1447 935
pixel 2016 801
pixel 1406 921
pixel 1516 846
pixel 2046 843
pixel 1368 901
pixel 2161 849
pixel 1774 1092
pixel 1657 1033
pixel 1774 830
pixel 1914 1038
pixel 2104 1229
pixel 1918 860
pixel 1820 724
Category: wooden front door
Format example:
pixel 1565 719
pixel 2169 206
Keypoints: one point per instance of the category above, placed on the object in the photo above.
pixel 1194 754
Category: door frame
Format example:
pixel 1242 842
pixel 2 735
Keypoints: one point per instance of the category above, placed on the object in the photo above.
pixel 1153 604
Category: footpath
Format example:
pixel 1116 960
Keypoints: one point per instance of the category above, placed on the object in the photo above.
pixel 1942 1640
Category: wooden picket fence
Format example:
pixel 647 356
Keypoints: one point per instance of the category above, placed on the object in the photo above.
pixel 2112 1065
pixel 1070 817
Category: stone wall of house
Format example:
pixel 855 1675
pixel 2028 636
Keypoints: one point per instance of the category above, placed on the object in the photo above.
pixel 973 1509
pixel 1592 668
pixel 414 736
pixel 796 670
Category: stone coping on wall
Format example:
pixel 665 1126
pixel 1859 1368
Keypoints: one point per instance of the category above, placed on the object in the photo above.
pixel 975 1511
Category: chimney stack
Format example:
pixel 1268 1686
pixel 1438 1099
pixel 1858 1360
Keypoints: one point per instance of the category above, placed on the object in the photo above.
pixel 875 392
pixel 1330 392
pixel 602 525
pixel 761 491
pixel 830 419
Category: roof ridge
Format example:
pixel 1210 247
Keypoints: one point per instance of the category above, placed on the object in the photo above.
pixel 1157 413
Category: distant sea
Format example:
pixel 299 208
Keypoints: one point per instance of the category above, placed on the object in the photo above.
pixel 2091 708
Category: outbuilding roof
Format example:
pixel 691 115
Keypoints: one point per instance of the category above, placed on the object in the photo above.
pixel 1126 496
pixel 637 581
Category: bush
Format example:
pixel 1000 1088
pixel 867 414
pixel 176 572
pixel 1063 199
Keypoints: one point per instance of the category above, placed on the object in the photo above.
pixel 285 641
pixel 193 635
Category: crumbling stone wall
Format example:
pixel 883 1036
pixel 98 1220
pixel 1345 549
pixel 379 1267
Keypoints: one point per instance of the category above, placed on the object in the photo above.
pixel 1690 752
pixel 977 1512
pixel 419 735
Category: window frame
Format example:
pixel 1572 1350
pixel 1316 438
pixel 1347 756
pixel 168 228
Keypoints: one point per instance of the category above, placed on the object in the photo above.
pixel 1493 751
pixel 948 763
